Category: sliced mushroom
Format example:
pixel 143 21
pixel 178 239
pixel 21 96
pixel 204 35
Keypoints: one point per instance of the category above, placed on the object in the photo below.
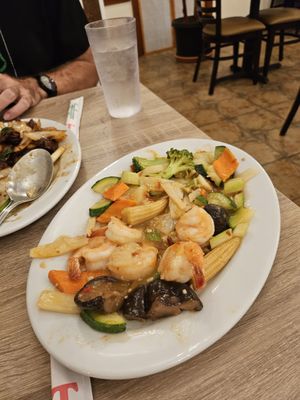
pixel 160 299
pixel 104 294
pixel 134 305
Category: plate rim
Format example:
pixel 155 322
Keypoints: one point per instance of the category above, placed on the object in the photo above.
pixel 56 198
pixel 213 339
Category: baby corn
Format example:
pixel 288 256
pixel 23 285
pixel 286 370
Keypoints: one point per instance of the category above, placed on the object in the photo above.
pixel 216 259
pixel 53 300
pixel 138 214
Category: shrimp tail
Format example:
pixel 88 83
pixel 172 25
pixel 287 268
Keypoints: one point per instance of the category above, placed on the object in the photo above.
pixel 74 268
pixel 198 279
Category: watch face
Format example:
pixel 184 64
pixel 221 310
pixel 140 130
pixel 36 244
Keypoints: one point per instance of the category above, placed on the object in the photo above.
pixel 46 81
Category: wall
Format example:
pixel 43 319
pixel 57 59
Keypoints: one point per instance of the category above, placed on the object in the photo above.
pixel 116 10
pixel 230 8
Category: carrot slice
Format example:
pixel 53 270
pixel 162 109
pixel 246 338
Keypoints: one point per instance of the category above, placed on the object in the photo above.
pixel 116 191
pixel 61 280
pixel 115 210
pixel 225 165
pixel 99 232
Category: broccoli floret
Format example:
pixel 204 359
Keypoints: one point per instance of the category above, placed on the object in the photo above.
pixel 140 163
pixel 180 160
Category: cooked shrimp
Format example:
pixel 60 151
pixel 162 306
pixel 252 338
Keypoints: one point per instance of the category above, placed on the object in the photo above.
pixel 182 262
pixel 93 256
pixel 195 225
pixel 132 261
pixel 120 233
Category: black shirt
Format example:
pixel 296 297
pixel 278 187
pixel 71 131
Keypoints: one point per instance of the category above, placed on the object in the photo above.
pixel 39 35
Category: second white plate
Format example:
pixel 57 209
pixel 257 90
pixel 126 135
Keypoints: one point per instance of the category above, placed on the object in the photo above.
pixel 69 165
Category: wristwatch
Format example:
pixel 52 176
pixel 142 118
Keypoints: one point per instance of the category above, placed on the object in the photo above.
pixel 47 84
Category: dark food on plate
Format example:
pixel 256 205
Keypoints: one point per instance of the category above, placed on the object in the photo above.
pixel 104 294
pixel 219 215
pixel 19 137
pixel 160 299
pixel 16 140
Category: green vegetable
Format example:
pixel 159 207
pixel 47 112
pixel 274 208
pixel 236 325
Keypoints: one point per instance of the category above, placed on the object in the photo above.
pixel 218 151
pixel 180 160
pixel 200 201
pixel 140 163
pixel 108 323
pixel 241 229
pixel 239 199
pixel 130 178
pixel 220 238
pixel 200 169
pixel 153 235
pixel 211 173
pixel 4 204
pixel 242 215
pixel 103 184
pixel 221 200
pixel 5 154
pixel 234 185
pixel 99 207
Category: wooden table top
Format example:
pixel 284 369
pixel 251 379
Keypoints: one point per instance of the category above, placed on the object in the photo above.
pixel 257 359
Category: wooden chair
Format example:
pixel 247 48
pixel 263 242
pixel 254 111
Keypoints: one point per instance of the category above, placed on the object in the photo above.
pixel 295 34
pixel 279 20
pixel 227 32
pixel 291 115
pixel 92 10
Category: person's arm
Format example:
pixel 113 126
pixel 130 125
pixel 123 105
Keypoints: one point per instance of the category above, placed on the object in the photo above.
pixel 25 92
pixel 76 75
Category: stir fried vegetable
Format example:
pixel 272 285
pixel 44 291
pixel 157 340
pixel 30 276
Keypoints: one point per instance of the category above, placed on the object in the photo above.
pixel 155 236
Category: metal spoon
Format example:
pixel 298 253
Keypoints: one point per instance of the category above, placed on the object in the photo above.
pixel 28 179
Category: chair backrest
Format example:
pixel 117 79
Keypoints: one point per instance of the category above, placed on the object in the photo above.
pixel 92 10
pixel 284 3
pixel 210 10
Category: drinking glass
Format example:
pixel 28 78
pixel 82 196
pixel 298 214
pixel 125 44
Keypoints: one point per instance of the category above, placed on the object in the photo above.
pixel 114 46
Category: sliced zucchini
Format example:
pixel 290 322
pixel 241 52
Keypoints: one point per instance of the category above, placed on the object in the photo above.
pixel 200 201
pixel 221 200
pixel 201 170
pixel 105 183
pixel 234 185
pixel 239 199
pixel 99 207
pixel 242 215
pixel 140 163
pixel 130 178
pixel 153 235
pixel 220 238
pixel 218 151
pixel 4 204
pixel 108 323
pixel 241 229
pixel 211 173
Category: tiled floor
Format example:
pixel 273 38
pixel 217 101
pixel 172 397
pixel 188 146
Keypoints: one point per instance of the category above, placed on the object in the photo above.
pixel 239 113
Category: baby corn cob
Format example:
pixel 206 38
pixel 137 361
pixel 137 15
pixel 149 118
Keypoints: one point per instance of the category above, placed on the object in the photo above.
pixel 216 259
pixel 52 300
pixel 138 214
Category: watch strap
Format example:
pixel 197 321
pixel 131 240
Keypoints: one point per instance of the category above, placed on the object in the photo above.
pixel 51 89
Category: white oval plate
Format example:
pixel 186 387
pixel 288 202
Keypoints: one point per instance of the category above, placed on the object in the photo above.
pixel 147 348
pixel 69 165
